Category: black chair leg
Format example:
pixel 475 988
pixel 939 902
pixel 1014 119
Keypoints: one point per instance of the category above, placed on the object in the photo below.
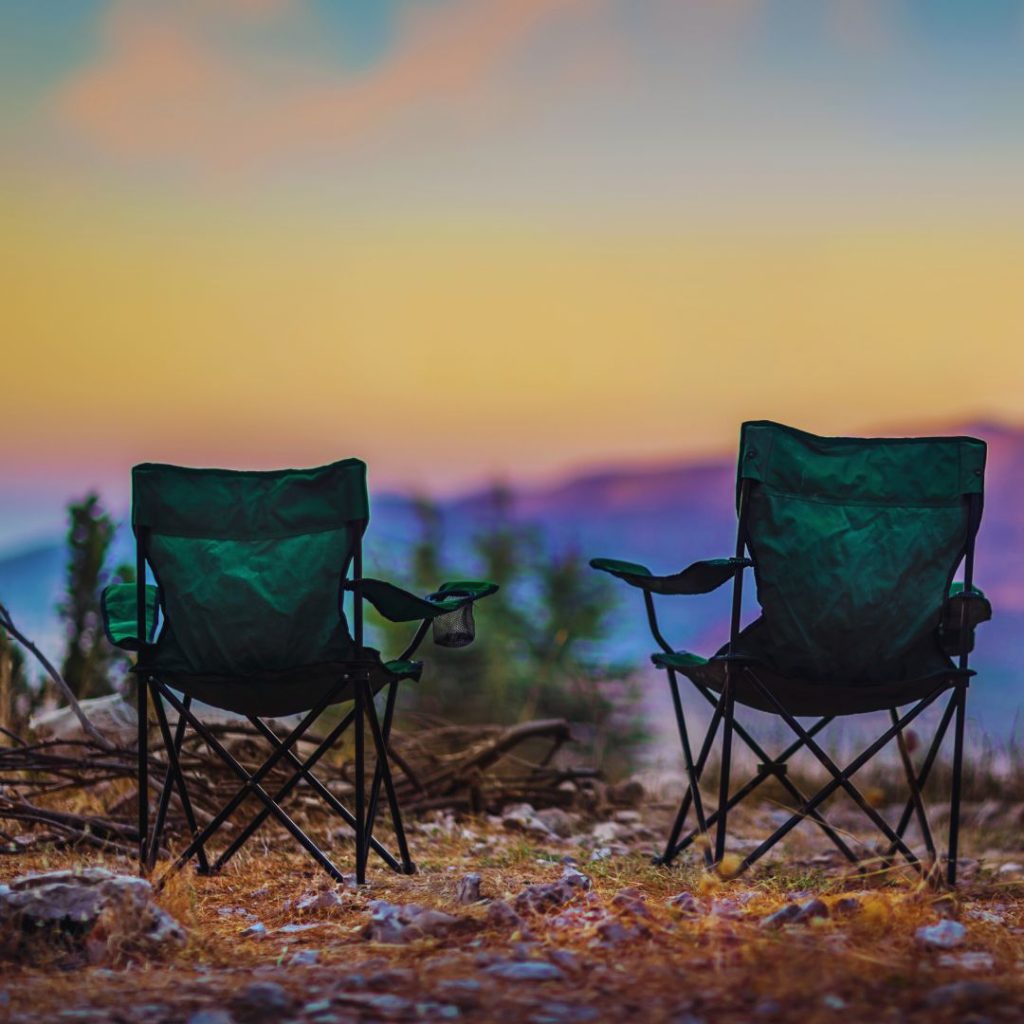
pixel 926 767
pixel 723 779
pixel 673 847
pixel 173 746
pixel 954 804
pixel 692 773
pixel 305 774
pixel 251 785
pixel 360 784
pixel 915 792
pixel 384 768
pixel 143 773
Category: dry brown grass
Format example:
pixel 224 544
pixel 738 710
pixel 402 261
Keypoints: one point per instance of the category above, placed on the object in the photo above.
pixel 863 966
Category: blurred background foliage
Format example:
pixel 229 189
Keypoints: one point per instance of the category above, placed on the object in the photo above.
pixel 535 655
pixel 536 650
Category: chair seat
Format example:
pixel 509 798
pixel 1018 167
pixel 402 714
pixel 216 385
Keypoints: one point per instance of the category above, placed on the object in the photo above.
pixel 289 692
pixel 803 697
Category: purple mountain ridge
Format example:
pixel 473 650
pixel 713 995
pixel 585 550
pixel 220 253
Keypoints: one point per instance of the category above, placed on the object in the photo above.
pixel 665 516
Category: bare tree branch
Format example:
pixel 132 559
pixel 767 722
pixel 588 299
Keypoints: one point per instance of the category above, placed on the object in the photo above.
pixel 90 730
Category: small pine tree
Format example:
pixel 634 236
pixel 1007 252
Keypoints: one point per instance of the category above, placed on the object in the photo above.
pixel 17 697
pixel 90 661
pixel 533 658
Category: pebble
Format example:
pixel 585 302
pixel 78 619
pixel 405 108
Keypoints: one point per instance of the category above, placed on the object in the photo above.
pixel 564 1013
pixel 947 934
pixel 462 991
pixel 531 970
pixel 686 904
pixel 545 895
pixel 796 913
pixel 971 961
pixel 326 900
pixel 262 1001
pixel 304 958
pixel 565 959
pixel 397 924
pixel 469 888
pixel 557 820
pixel 964 993
pixel 210 1017
pixel 501 915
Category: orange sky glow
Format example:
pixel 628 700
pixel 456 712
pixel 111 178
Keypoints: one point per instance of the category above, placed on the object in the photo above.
pixel 496 238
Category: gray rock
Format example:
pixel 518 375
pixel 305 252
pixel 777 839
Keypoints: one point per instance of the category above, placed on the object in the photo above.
pixel 946 934
pixel 501 915
pixel 975 960
pixel 565 1013
pixel 326 900
pixel 523 818
pixel 685 904
pixel 557 821
pixel 629 793
pixel 964 993
pixel 545 895
pixel 796 913
pixel 292 929
pixel 846 907
pixel 530 970
pixel 608 831
pixel 469 888
pixel 731 910
pixel 809 910
pixel 385 1004
pixel 565 959
pixel 630 901
pixel 87 906
pixel 464 992
pixel 438 1011
pixel 211 1017
pixel 254 931
pixel 262 1001
pixel 389 978
pixel 393 923
pixel 304 958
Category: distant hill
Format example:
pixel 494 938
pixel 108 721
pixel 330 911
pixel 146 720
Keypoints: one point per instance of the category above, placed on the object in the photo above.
pixel 665 516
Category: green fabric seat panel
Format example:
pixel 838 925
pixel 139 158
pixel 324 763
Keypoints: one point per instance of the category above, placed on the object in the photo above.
pixel 250 568
pixel 855 542
pixel 803 697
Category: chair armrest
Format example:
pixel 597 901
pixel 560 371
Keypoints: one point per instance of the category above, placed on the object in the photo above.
pixel 699 578
pixel 400 605
pixel 119 607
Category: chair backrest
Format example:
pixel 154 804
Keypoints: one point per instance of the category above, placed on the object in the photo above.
pixel 250 564
pixel 855 542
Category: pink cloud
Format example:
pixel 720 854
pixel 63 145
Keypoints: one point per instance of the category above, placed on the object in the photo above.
pixel 174 82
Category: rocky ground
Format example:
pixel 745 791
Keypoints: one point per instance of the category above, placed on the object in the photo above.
pixel 541 917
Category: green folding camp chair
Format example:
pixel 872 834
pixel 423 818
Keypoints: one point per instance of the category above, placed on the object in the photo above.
pixel 854 543
pixel 248 615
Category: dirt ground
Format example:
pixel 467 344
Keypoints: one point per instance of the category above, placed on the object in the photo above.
pixel 576 929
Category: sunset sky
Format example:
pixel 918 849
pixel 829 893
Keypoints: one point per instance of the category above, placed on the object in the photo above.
pixel 468 238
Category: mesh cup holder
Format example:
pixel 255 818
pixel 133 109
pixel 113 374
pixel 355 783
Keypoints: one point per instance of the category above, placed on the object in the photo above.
pixel 455 629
